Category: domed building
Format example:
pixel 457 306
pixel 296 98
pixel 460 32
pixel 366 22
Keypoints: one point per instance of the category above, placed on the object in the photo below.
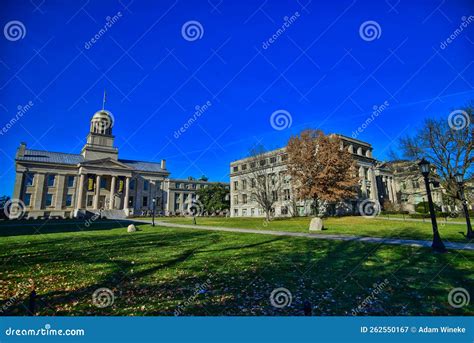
pixel 55 184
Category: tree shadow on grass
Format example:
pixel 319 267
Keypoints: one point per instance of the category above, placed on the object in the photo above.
pixel 204 273
pixel 50 227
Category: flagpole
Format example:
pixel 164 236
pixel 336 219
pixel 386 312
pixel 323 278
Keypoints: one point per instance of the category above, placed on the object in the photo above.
pixel 103 101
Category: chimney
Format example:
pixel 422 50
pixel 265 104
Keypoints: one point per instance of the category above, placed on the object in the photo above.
pixel 20 152
pixel 163 164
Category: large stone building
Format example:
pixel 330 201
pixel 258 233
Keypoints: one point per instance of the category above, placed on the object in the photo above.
pixel 54 184
pixel 376 183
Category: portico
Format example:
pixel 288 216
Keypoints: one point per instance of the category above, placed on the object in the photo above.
pixel 106 182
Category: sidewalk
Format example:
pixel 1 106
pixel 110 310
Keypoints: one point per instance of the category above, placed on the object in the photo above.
pixel 427 220
pixel 390 241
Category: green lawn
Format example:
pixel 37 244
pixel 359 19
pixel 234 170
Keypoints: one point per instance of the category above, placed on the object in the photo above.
pixel 156 270
pixel 359 226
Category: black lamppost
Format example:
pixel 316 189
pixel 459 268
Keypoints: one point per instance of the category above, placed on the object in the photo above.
pixel 460 181
pixel 437 242
pixel 153 216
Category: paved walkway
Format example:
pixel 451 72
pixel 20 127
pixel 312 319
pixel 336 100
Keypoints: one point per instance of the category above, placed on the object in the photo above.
pixel 427 220
pixel 391 241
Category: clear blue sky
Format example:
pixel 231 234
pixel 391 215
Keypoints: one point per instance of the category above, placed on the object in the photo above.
pixel 320 70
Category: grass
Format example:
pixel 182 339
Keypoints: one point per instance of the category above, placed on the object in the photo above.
pixel 156 271
pixel 358 226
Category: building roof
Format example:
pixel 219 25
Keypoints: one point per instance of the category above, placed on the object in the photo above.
pixel 51 157
pixel 74 159
pixel 143 166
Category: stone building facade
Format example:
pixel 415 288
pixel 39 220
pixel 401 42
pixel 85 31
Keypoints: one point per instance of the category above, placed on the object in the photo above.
pixel 376 183
pixel 54 184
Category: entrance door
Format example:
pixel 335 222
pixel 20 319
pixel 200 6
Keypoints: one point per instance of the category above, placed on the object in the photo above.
pixel 102 203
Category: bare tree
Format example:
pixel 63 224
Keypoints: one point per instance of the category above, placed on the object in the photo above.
pixel 447 145
pixel 265 184
pixel 320 168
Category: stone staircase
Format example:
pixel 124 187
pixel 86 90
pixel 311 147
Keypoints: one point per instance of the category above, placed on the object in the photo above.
pixel 114 214
pixel 106 214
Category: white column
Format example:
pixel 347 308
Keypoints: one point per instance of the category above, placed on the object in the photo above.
pixel 127 192
pixel 363 183
pixel 389 188
pixel 97 192
pixel 394 190
pixel 112 192
pixel 80 194
pixel 373 185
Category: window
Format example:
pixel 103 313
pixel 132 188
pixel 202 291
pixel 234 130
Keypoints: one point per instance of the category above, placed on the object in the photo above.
pixel 253 197
pixel 68 200
pixel 244 184
pixel 284 210
pixel 236 200
pixel 253 183
pixel 235 168
pixel 236 185
pixel 244 198
pixel 90 200
pixel 27 199
pixel 103 182
pixel 273 159
pixel 263 162
pixel 236 212
pixel 244 212
pixel 145 185
pixel 132 184
pixel 130 201
pixel 51 179
pixel 145 201
pixel 70 181
pixel 49 200
pixel 29 179
pixel 244 167
pixel 178 185
pixel 284 157
pixel 252 165
pixel 275 195
pixel 252 212
pixel 286 194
